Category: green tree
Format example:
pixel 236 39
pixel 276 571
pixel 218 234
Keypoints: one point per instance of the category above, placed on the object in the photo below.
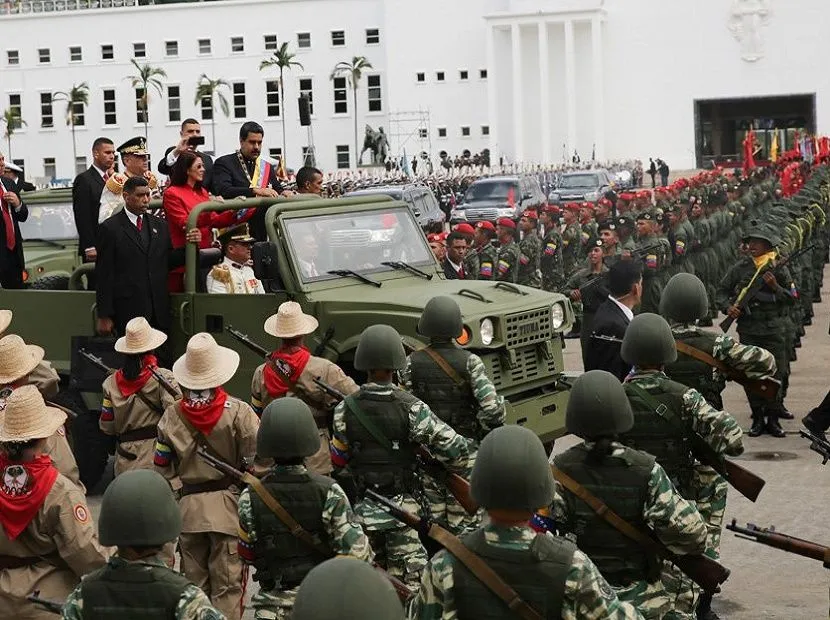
pixel 146 78
pixel 282 59
pixel 210 89
pixel 353 71
pixel 13 121
pixel 76 98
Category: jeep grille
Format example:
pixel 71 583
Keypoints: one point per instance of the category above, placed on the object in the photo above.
pixel 530 365
pixel 530 327
pixel 482 214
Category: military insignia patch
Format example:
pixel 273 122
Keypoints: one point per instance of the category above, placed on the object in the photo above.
pixel 15 480
pixel 80 513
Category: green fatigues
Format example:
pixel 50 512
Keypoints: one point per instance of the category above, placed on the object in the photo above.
pixel 480 264
pixel 653 264
pixel 552 262
pixel 507 266
pixel 530 252
pixel 571 244
pixel 591 300
pixel 587 231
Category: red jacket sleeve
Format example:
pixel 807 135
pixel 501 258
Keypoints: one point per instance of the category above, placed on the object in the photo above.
pixel 175 212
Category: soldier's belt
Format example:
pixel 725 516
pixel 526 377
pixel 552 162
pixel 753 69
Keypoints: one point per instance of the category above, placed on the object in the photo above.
pixel 210 486
pixel 138 434
pixel 11 562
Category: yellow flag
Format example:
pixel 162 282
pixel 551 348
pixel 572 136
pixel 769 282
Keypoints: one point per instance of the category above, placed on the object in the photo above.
pixel 773 149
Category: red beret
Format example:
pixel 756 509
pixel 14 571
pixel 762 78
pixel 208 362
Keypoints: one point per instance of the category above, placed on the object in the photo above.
pixel 464 228
pixel 530 214
pixel 573 206
pixel 626 196
pixel 552 209
pixel 486 225
pixel 506 222
pixel 587 205
pixel 604 202
pixel 434 238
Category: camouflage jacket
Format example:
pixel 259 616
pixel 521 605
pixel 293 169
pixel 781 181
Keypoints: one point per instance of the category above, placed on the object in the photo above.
pixel 193 604
pixel 586 595
pixel 571 238
pixel 777 301
pixel 593 297
pixel 551 262
pixel 530 253
pixel 480 262
pixel 507 267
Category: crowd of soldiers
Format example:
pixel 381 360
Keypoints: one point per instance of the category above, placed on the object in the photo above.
pixel 317 466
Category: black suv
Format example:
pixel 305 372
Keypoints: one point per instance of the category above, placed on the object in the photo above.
pixel 585 185
pixel 420 199
pixel 495 197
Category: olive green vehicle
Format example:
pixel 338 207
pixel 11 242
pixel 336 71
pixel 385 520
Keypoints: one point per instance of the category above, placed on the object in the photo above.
pixel 352 263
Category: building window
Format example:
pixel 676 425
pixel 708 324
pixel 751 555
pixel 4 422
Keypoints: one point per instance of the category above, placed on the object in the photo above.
pixel 465 131
pixel 275 152
pixel 107 52
pixel 463 75
pixel 270 42
pixel 16 109
pixel 304 40
pixel 44 55
pixel 372 36
pixel 47 118
pixel 272 98
pixel 439 76
pixel 343 160
pixel 206 106
pixel 423 133
pixel 485 130
pixel 50 170
pixel 442 132
pixel 341 96
pixel 171 48
pixel 204 47
pixel 13 57
pixel 75 54
pixel 421 77
pixel 237 45
pixel 80 164
pixel 338 38
pixel 139 50
pixel 307 90
pixel 78 115
pixel 239 107
pixel 375 98
pixel 174 104
pixel 109 107
pixel 140 112
pixel 482 74
pixel 308 156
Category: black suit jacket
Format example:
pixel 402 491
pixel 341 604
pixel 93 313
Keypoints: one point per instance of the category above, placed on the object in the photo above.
pixel 86 204
pixel 603 355
pixel 13 259
pixel 229 181
pixel 207 160
pixel 132 278
pixel 449 270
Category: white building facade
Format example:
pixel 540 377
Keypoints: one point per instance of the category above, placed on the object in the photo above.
pixel 532 80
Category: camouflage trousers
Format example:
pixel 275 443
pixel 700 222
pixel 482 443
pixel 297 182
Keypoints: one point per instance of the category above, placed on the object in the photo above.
pixel 649 598
pixel 273 604
pixel 683 593
pixel 445 509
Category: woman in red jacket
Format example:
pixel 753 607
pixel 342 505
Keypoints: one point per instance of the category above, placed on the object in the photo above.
pixel 180 198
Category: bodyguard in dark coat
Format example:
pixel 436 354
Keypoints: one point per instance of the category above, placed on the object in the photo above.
pixel 86 196
pixel 12 212
pixel 191 129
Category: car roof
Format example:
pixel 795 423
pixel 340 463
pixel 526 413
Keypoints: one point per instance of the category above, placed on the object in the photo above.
pixel 498 179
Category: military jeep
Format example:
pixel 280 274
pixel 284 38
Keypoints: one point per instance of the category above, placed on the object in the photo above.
pixel 352 263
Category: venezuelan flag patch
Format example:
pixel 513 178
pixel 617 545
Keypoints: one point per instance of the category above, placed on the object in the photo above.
pixel 651 261
pixel 504 266
pixel 486 270
pixel 163 455
pixel 550 249
pixel 107 414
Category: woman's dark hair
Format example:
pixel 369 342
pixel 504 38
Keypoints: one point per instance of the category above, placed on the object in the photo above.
pixel 178 175
pixel 132 366
pixel 14 449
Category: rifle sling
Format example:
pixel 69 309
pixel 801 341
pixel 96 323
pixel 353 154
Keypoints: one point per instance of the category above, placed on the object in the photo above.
pixel 201 440
pixel 155 407
pixel 484 573
pixel 704 357
pixel 444 365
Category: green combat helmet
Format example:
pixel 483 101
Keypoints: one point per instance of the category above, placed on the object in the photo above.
pixel 441 318
pixel 346 588
pixel 512 471
pixel 684 299
pixel 757 230
pixel 598 406
pixel 380 348
pixel 648 341
pixel 139 510
pixel 287 430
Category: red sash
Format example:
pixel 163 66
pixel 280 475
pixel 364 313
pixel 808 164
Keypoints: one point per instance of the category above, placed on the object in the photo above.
pixel 205 417
pixel 128 387
pixel 292 364
pixel 23 489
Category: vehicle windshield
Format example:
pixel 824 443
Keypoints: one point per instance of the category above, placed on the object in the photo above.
pixel 360 242
pixel 579 180
pixel 491 190
pixel 52 222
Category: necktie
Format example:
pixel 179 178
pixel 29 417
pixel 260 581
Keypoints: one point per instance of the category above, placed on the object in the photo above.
pixel 139 223
pixel 8 224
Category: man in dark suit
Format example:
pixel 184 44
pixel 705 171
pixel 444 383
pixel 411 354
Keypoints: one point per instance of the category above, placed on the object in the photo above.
pixel 14 173
pixel 86 196
pixel 453 263
pixel 12 212
pixel 191 132
pixel 625 284
pixel 246 173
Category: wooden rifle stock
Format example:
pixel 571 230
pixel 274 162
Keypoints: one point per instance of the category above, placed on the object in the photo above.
pixel 790 544
pixel 742 480
pixel 96 361
pixel 164 383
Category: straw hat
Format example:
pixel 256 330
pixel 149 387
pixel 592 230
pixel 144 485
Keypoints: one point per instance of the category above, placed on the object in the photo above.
pixel 140 338
pixel 17 359
pixel 5 320
pixel 290 321
pixel 26 416
pixel 205 365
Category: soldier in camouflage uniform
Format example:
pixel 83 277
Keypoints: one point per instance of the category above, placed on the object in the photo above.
pixel 375 432
pixel 571 237
pixel 584 288
pixel 588 228
pixel 598 411
pixel 665 412
pixel 511 480
pixel 654 260
pixel 288 434
pixel 507 267
pixel 625 234
pixel 480 262
pixel 139 515
pixel 454 385
pixel 552 263
pixel 611 249
pixel 530 250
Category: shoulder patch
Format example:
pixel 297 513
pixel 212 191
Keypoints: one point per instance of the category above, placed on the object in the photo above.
pixel 81 514
pixel 61 432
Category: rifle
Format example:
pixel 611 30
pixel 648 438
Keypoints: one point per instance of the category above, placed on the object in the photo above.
pixel 164 383
pixel 755 284
pixel 96 361
pixel 640 253
pixel 402 590
pixel 478 567
pixel 53 607
pixel 591 284
pixel 790 544
pixel 168 387
pixel 243 338
pixel 820 445
pixel 320 348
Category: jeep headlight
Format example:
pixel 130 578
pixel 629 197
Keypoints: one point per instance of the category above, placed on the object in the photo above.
pixel 558 315
pixel 486 331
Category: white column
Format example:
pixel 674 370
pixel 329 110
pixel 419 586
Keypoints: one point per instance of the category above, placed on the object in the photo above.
pixel 518 94
pixel 598 89
pixel 570 86
pixel 544 92
pixel 492 97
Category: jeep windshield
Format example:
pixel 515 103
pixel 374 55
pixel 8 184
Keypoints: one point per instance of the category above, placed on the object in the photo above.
pixel 360 242
pixel 492 191
pixel 572 181
pixel 53 222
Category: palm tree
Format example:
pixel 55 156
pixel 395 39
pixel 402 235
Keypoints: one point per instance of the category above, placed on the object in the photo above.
pixel 146 77
pixel 282 59
pixel 353 71
pixel 75 97
pixel 13 121
pixel 209 89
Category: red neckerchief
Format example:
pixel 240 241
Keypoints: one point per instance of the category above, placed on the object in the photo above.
pixel 23 489
pixel 292 363
pixel 128 387
pixel 205 417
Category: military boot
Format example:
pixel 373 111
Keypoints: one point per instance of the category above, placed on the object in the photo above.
pixel 758 426
pixel 774 426
pixel 704 608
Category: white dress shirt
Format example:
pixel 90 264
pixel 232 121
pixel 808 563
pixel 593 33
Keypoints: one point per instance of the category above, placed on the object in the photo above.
pixel 628 312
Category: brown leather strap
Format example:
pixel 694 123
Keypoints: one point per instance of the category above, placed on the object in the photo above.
pixel 482 571
pixel 210 486
pixel 201 440
pixel 11 562
pixel 444 365
pixel 155 407
pixel 138 434
pixel 702 356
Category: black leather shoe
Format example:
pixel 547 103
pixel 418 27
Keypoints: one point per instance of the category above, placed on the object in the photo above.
pixel 784 414
pixel 813 427
pixel 758 427
pixel 774 427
